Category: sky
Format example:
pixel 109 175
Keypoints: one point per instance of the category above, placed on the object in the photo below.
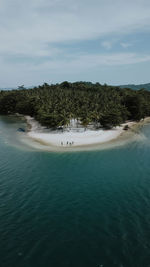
pixel 106 41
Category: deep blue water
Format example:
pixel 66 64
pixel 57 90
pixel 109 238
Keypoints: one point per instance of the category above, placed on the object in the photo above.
pixel 79 209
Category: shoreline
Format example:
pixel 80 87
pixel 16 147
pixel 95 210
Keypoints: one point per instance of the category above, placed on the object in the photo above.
pixel 86 140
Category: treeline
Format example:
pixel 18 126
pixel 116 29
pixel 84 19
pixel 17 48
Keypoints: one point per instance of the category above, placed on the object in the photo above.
pixel 55 105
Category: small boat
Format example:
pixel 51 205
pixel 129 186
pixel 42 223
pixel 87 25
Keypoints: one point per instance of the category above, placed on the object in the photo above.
pixel 21 130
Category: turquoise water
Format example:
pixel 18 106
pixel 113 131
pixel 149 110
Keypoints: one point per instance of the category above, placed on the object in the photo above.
pixel 81 209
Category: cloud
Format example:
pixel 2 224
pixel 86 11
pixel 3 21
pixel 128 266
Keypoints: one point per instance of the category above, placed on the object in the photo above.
pixel 91 67
pixel 87 61
pixel 126 45
pixel 79 62
pixel 32 24
pixel 107 44
pixel 31 31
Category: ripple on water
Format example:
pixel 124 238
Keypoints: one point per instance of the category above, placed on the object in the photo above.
pixel 75 209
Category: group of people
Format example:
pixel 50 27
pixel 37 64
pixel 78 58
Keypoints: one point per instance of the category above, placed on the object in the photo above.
pixel 67 143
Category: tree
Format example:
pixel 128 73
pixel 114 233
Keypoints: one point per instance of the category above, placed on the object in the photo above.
pixel 111 119
pixel 21 87
pixel 56 104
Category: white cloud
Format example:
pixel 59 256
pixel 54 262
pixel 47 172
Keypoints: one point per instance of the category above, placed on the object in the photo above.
pixel 126 45
pixel 31 29
pixel 107 45
pixel 26 24
pixel 78 67
pixel 81 62
pixel 87 61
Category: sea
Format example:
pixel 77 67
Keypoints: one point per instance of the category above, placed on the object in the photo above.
pixel 73 209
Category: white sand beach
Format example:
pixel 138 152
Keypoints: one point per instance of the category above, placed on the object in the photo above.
pixel 71 138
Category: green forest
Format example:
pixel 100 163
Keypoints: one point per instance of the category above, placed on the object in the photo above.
pixel 55 105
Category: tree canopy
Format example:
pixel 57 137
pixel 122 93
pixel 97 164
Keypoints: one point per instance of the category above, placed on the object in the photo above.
pixel 55 105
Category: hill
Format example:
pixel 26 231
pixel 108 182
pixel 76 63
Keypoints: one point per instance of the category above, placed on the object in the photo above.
pixel 136 86
pixel 56 105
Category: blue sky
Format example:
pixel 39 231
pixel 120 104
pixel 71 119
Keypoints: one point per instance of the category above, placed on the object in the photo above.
pixel 106 41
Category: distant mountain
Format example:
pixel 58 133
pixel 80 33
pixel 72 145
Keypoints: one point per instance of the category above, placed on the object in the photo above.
pixel 136 87
pixel 131 86
pixel 15 88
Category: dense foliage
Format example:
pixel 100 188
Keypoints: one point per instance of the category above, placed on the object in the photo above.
pixel 55 105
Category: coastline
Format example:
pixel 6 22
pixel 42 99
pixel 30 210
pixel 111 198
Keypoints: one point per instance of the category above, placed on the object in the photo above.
pixel 45 139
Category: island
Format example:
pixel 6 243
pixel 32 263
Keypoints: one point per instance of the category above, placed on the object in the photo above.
pixel 76 114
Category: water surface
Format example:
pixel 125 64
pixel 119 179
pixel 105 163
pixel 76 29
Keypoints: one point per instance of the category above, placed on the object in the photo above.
pixel 79 209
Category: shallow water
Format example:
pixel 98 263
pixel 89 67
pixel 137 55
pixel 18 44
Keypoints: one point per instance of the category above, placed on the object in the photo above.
pixel 79 209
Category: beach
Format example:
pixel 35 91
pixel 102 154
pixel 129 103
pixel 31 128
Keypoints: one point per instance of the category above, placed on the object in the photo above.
pixel 73 139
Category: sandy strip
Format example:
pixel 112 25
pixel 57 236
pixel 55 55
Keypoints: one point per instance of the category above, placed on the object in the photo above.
pixel 72 139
